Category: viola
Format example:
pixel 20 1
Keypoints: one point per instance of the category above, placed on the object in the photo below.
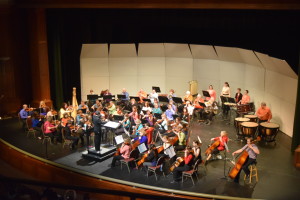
pixel 212 147
pixel 238 166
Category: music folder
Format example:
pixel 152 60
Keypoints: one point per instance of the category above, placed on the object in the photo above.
pixel 177 99
pixel 170 152
pixel 142 148
pixel 118 117
pixel 157 89
pixel 205 93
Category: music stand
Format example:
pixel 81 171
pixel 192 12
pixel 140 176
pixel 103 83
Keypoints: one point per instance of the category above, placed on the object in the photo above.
pixel 121 96
pixel 177 100
pixel 92 97
pixel 136 98
pixel 147 100
pixel 195 95
pixel 223 99
pixel 111 125
pixel 231 100
pixel 83 110
pixel 118 117
pixel 157 89
pixel 163 99
pixel 142 148
pixel 108 97
pixel 205 93
pixel 157 115
pixel 202 104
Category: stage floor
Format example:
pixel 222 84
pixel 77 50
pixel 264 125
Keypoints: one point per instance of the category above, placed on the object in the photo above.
pixel 278 178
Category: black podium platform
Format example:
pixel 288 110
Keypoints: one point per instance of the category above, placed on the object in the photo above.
pixel 105 153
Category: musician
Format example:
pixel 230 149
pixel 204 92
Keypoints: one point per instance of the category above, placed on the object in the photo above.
pixel 190 108
pixel 181 139
pixel 68 135
pixel 252 151
pixel 142 95
pixel 188 97
pixel 156 109
pixel 92 91
pixel 174 107
pixel 125 150
pixel 152 157
pixel 132 103
pixel 97 105
pixel 136 130
pixel 197 150
pixel 246 98
pixel 142 137
pixel 43 108
pixel 126 122
pixel 210 111
pixel 79 116
pixel 177 123
pixel 212 93
pixel 82 106
pixel 185 116
pixel 124 92
pixel 264 113
pixel 188 162
pixel 111 108
pixel 153 95
pixel 51 113
pixel 36 124
pixel 225 93
pixel 223 138
pixel 238 96
pixel 64 109
pixel 162 124
pixel 50 129
pixel 146 108
pixel 65 119
pixel 134 114
pixel 24 115
pixel 170 112
pixel 171 94
pixel 97 130
pixel 149 132
pixel 149 117
pixel 198 109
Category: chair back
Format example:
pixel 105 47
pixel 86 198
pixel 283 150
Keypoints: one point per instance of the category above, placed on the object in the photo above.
pixel 29 123
pixel 195 168
pixel 160 160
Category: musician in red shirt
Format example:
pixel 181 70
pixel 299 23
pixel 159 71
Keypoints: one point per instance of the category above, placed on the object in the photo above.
pixel 223 139
pixel 188 162
pixel 264 113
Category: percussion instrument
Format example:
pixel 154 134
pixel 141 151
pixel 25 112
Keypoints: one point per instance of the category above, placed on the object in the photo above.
pixel 237 123
pixel 249 128
pixel 245 108
pixel 230 104
pixel 269 131
pixel 253 118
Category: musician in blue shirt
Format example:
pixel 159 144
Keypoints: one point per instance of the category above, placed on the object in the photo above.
pixel 124 92
pixel 170 112
pixel 24 115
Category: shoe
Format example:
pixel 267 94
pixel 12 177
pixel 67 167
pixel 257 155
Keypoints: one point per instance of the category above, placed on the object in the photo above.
pixel 174 181
pixel 39 138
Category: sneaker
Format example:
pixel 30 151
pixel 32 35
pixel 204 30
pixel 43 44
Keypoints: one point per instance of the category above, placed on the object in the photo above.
pixel 219 157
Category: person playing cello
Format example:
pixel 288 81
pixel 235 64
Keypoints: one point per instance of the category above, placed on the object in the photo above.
pixel 219 145
pixel 252 151
pixel 124 152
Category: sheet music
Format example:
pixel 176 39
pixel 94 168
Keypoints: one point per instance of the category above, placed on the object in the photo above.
pixel 170 151
pixel 119 139
pixel 112 124
pixel 142 148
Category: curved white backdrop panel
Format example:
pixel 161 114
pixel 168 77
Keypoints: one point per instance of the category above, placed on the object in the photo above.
pixel 172 66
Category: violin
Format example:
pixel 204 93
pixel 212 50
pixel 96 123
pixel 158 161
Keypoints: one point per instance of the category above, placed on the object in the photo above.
pixel 29 109
pixel 212 147
pixel 238 166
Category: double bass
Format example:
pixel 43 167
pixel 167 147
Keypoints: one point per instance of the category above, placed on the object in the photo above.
pixel 239 164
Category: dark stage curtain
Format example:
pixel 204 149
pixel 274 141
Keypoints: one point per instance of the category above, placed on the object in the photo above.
pixel 296 133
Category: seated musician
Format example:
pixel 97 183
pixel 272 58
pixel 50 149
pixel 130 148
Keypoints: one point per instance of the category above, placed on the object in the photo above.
pixel 51 113
pixel 142 95
pixel 162 124
pixel 223 138
pixel 68 135
pixel 111 108
pixel 187 97
pixel 166 144
pixel 24 115
pixel 65 119
pixel 125 150
pixel 134 114
pixel 170 112
pixel 156 109
pixel 264 113
pixel 149 132
pixel 190 108
pixel 152 157
pixel 43 108
pixel 126 122
pixel 197 150
pixel 64 109
pixel 124 92
pixel 174 107
pixel 149 117
pixel 118 111
pixel 209 112
pixel 252 151
pixel 238 96
pixel 188 162
pixel 171 94
pixel 142 137
pixel 146 108
pixel 198 109
pixel 82 106
pixel 79 116
pixel 137 128
pixel 80 129
pixel 36 124
pixel 185 116
pixel 246 98
pixel 107 93
pixel 177 123
pixel 96 105
pixel 153 95
pixel 50 129
pixel 181 139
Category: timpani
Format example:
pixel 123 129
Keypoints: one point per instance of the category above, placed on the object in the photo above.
pixel 269 131
pixel 237 123
pixel 253 118
pixel 249 129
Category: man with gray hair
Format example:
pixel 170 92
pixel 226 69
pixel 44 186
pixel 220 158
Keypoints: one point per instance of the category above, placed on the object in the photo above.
pixel 264 113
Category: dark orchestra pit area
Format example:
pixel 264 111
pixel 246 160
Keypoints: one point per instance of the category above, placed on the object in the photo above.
pixel 278 178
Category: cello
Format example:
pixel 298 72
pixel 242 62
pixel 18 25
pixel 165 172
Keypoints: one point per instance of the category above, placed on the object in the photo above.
pixel 239 164
pixel 212 147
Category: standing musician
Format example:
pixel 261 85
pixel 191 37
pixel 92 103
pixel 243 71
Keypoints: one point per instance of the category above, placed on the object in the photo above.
pixel 68 135
pixel 142 95
pixel 125 150
pixel 212 93
pixel 222 139
pixel 197 150
pixel 225 93
pixel 97 130
pixel 264 113
pixel 252 151
pixel 187 97
pixel 246 98
pixel 188 162
pixel 238 96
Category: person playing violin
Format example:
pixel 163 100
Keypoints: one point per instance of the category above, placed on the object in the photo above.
pixel 197 150
pixel 43 108
pixel 136 130
pixel 181 139
pixel 96 105
pixel 24 115
pixel 68 135
pixel 252 151
pixel 142 138
pixel 187 97
pixel 142 95
pixel 50 129
pixel 82 106
pixel 188 162
pixel 64 109
pixel 125 150
pixel 222 139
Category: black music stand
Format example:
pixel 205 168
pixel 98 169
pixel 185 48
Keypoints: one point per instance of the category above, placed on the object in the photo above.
pixel 202 104
pixel 223 99
pixel 108 97
pixel 147 100
pixel 230 100
pixel 137 99
pixel 118 117
pixel 121 96
pixel 157 89
pixel 92 97
pixel 205 93
pixel 163 99
pixel 177 100
pixel 157 115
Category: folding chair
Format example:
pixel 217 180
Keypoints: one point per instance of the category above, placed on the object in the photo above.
pixel 30 130
pixel 157 167
pixel 190 173
pixel 132 157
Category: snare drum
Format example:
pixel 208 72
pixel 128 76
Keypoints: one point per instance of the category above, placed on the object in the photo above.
pixel 253 118
pixel 238 121
pixel 269 129
pixel 249 128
